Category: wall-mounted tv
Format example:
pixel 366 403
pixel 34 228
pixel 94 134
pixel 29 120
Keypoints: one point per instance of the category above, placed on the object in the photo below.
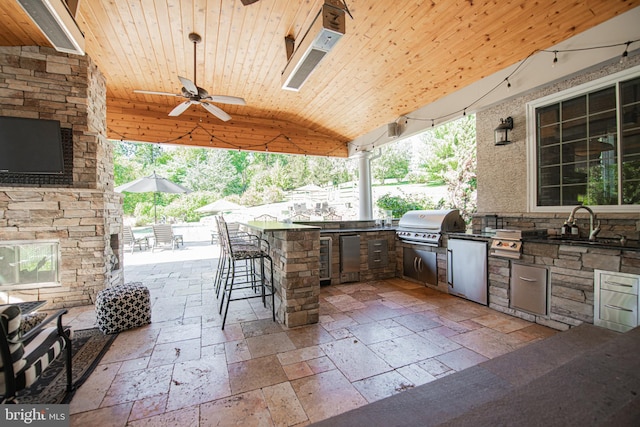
pixel 31 146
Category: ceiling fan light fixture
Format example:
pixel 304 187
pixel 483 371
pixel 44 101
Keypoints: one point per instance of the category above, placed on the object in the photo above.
pixel 248 2
pixel 197 95
pixel 57 23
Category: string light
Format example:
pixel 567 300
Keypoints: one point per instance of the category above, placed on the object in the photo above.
pixel 212 137
pixel 625 54
pixel 453 114
pixel 445 117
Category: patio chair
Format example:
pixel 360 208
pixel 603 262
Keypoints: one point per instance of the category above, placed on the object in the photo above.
pixel 332 217
pixel 130 241
pixel 300 217
pixel 26 357
pixel 163 235
pixel 265 217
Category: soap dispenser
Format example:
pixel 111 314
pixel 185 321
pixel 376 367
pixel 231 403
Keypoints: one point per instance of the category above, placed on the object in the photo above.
pixel 565 230
pixel 575 231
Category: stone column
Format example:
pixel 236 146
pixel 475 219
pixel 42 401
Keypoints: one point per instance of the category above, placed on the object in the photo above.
pixel 364 187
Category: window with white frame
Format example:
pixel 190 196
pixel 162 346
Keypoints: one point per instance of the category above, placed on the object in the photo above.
pixel 587 144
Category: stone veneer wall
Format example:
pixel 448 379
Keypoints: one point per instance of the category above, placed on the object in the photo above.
pixel 612 224
pixel 296 265
pixel 38 82
pixel 571 279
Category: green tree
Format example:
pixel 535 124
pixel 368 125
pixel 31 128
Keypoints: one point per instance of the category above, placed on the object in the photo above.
pixel 400 205
pixel 393 162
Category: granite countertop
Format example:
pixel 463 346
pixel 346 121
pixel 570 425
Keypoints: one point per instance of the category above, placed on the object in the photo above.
pixel 606 243
pixel 471 235
pixel 278 226
pixel 356 230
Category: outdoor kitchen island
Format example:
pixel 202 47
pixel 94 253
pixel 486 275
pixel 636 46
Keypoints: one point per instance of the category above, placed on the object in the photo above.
pixel 295 250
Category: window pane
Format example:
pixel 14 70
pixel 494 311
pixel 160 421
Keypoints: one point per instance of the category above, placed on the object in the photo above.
pixel 629 91
pixel 573 194
pixel 574 129
pixel 548 115
pixel 602 124
pixel 550 155
pixel 603 100
pixel 574 173
pixel 574 108
pixel 630 141
pixel 550 176
pixel 549 196
pixel 549 134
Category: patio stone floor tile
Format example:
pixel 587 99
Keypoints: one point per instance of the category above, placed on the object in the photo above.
pixel 374 339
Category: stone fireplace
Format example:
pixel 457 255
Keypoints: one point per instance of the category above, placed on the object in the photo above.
pixel 84 214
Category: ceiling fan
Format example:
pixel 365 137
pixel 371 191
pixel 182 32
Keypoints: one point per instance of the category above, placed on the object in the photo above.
pixel 197 95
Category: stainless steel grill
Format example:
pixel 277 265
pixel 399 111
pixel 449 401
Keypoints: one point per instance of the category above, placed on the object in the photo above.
pixel 426 227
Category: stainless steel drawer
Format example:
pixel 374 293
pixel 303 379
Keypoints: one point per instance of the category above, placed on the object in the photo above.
pixel 619 283
pixel 378 253
pixel 619 307
pixel 529 288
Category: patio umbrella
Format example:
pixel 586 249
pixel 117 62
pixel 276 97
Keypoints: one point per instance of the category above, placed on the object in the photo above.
pixel 152 183
pixel 220 205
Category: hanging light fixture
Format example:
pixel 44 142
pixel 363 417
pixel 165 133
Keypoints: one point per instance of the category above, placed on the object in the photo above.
pixel 502 131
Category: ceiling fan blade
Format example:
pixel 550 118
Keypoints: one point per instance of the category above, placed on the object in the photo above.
pixel 189 85
pixel 216 111
pixel 151 92
pixel 224 99
pixel 180 108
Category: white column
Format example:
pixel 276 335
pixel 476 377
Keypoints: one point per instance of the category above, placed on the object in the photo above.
pixel 364 187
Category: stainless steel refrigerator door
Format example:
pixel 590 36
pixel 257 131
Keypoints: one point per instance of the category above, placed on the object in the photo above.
pixel 467 269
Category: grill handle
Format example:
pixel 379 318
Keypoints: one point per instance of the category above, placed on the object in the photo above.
pixel 450 267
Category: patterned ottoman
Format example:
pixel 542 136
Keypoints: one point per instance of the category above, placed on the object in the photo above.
pixel 123 307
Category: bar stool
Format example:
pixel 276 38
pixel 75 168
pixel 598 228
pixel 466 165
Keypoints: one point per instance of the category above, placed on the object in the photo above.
pixel 235 235
pixel 243 274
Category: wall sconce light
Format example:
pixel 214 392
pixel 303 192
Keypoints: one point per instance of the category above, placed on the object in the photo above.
pixel 502 131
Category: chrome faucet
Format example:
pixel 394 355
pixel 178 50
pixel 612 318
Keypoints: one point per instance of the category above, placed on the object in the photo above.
pixel 593 232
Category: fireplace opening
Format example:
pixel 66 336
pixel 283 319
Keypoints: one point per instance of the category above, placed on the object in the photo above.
pixel 29 264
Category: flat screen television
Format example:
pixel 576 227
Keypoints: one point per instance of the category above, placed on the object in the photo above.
pixel 30 146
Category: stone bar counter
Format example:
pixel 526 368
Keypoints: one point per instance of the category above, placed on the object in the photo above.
pixel 295 249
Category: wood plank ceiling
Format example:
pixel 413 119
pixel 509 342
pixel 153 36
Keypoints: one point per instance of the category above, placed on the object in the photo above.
pixel 395 57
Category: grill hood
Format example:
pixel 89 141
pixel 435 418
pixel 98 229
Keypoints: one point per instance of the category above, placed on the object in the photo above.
pixel 426 226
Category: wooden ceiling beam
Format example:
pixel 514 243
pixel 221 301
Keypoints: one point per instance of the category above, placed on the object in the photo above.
pixel 148 122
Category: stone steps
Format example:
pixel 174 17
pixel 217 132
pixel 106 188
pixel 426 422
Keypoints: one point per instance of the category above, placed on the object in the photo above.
pixel 588 374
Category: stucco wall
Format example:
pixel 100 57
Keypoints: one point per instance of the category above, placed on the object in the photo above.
pixel 502 178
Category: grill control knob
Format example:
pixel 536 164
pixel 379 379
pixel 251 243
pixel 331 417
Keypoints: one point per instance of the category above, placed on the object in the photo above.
pixel 514 245
pixel 499 244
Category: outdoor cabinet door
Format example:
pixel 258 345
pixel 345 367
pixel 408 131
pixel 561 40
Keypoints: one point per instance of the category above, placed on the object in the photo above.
pixel 467 269
pixel 420 265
